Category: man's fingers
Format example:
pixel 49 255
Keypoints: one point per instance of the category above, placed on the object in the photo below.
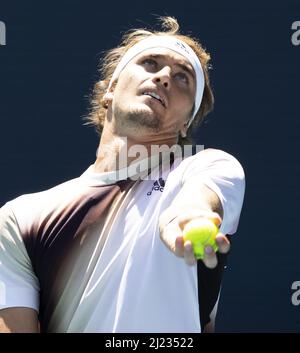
pixel 188 255
pixel 210 258
pixel 173 238
pixel 179 247
pixel 223 243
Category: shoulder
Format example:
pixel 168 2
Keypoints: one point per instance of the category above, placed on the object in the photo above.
pixel 208 161
pixel 33 207
pixel 212 155
pixel 215 157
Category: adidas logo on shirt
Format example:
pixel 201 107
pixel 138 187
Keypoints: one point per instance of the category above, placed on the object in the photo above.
pixel 158 185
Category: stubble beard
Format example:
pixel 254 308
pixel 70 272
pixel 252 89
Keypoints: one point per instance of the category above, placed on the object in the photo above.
pixel 136 119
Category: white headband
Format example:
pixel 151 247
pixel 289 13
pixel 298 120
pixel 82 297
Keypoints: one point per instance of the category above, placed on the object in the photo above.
pixel 174 44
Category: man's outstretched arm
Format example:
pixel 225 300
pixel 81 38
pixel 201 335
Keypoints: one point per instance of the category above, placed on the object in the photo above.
pixel 195 200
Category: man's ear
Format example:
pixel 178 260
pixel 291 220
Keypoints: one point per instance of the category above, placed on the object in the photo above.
pixel 109 94
pixel 183 130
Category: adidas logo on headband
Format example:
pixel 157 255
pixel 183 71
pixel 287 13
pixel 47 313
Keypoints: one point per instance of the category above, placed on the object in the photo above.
pixel 182 46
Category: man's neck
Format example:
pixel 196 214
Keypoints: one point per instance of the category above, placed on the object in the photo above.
pixel 116 152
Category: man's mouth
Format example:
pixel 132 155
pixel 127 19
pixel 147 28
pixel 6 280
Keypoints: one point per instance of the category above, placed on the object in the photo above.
pixel 155 96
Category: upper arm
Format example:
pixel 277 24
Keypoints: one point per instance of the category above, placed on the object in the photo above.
pixel 19 286
pixel 17 320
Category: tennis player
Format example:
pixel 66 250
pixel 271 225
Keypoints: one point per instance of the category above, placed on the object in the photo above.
pixel 104 252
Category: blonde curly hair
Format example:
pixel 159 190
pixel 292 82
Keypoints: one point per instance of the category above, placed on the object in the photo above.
pixel 111 59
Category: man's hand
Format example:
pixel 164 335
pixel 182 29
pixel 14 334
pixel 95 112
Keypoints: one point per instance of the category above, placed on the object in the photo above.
pixel 172 236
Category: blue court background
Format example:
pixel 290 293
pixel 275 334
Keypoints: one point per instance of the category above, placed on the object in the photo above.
pixel 47 70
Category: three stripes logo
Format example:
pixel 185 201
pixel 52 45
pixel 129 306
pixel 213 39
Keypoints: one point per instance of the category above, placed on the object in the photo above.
pixel 158 185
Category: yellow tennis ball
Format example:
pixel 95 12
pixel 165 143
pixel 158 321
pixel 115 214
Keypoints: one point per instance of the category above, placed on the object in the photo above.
pixel 201 232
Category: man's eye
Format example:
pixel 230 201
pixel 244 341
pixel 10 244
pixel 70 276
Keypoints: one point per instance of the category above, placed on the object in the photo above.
pixel 149 62
pixel 182 77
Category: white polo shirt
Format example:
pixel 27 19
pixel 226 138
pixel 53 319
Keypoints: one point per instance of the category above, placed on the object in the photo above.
pixel 88 257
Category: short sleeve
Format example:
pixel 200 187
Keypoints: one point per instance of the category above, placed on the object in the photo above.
pixel 223 174
pixel 19 287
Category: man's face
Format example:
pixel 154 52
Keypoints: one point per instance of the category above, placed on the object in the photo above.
pixel 154 94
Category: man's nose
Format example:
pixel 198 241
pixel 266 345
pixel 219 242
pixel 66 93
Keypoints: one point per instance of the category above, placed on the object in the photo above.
pixel 163 77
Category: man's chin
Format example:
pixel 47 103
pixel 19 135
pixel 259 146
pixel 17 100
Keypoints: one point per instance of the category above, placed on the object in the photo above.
pixel 145 118
pixel 137 118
